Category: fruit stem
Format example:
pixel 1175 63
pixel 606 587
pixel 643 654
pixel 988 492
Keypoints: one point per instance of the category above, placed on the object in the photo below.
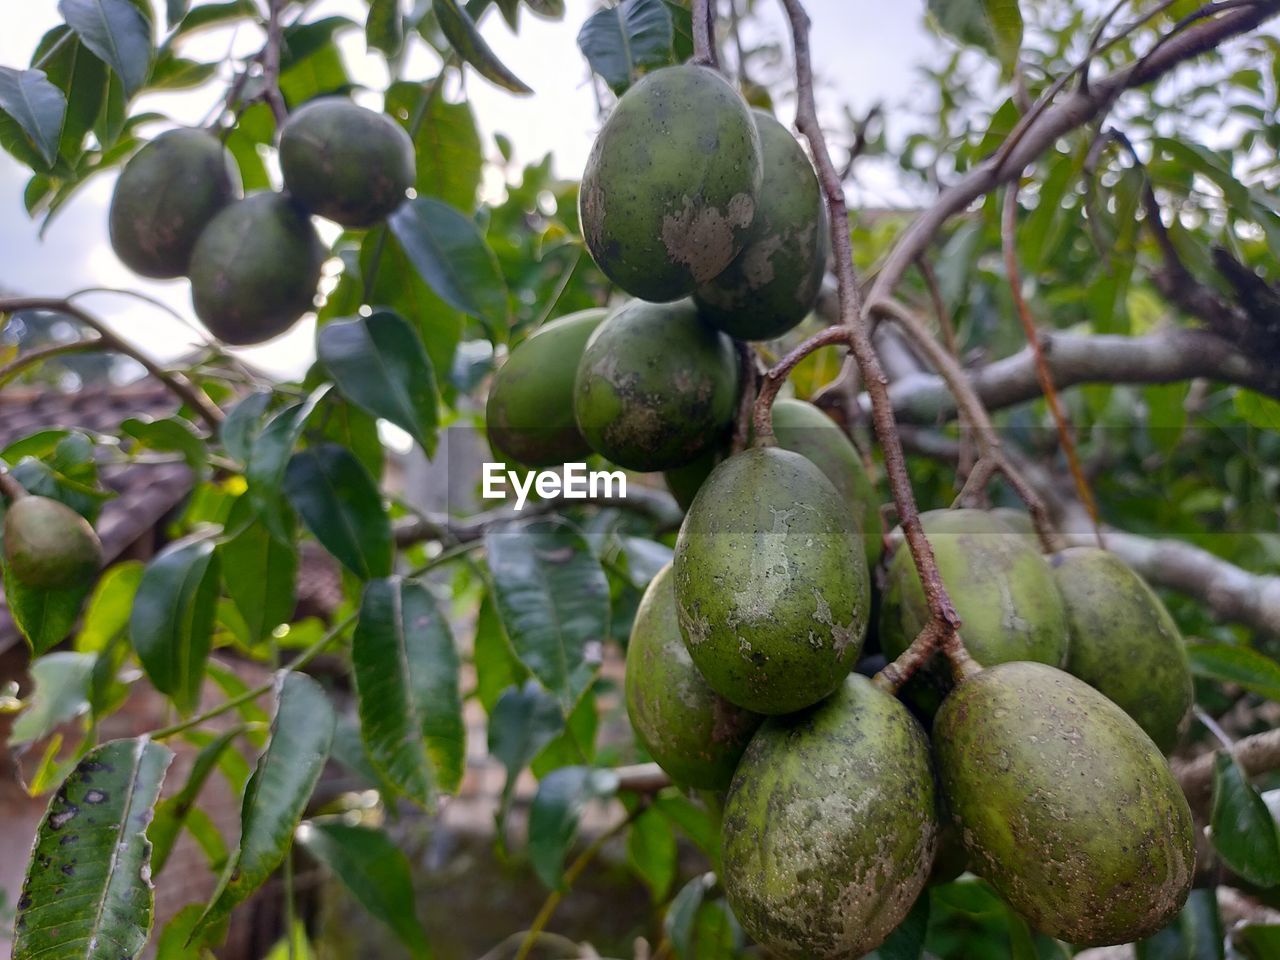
pixel 11 488
pixel 776 376
pixel 749 377
pixel 704 35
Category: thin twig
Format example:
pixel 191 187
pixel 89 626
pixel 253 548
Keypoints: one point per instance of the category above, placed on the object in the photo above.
pixel 749 376
pixel 704 34
pixel 776 376
pixel 271 63
pixel 33 357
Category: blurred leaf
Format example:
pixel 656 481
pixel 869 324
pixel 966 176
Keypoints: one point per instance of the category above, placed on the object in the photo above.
pixel 1255 409
pixel 375 872
pixel 553 818
pixel 447 145
pixel 342 506
pixel 94 832
pixel 680 923
pixel 174 11
pixel 243 424
pixel 384 28
pixel 172 812
pixel 1256 941
pixel 1196 933
pixel 1242 666
pixel 37 106
pixel 179 73
pixel 44 617
pixel 461 32
pixel 260 572
pixel 269 458
pixel 169 435
pixel 523 721
pixel 117 33
pixel 1244 832
pixel 209 15
pixel 993 25
pixel 651 851
pixel 907 941
pixel 496 664
pixel 60 693
pixel 694 821
pixel 622 43
pixel 107 615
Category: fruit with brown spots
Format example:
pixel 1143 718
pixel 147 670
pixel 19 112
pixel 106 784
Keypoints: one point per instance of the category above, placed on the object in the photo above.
pixel 656 387
pixel 1124 644
pixel 693 733
pixel 830 826
pixel 671 185
pixel 48 546
pixel 772 588
pixel 346 163
pixel 1064 805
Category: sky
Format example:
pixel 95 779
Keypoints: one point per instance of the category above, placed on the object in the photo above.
pixel 865 50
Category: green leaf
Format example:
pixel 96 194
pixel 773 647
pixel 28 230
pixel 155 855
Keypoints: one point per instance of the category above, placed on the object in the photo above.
pixel 992 25
pixel 1244 832
pixel 406 672
pixel 449 252
pixel 379 364
pixel 37 106
pixel 44 617
pixel 349 751
pixel 209 15
pixel 375 872
pixel 553 598
pixel 276 796
pixel 907 941
pixel 463 35
pixel 1256 941
pixel 87 895
pixel 694 821
pixel 622 43
pixel 1257 410
pixel 269 458
pixel 496 664
pixel 680 923
pixel 174 11
pixel 172 620
pixel 172 942
pixel 260 572
pixel 117 32
pixel 179 73
pixel 61 693
pixel 107 615
pixel 554 815
pixel 1242 666
pixel 169 435
pixel 341 505
pixel 244 424
pixel 523 721
pixel 172 812
pixel 1196 933
pixel 651 851
pixel 447 144
pixel 384 27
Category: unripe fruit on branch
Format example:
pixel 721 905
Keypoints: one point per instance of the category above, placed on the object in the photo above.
pixel 48 546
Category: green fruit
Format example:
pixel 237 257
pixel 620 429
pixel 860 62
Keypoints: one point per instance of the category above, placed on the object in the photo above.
pixel 670 188
pixel 774 282
pixel 255 269
pixel 1017 521
pixel 530 411
pixel 165 196
pixel 830 826
pixel 693 734
pixel 802 427
pixel 1065 806
pixel 1124 644
pixel 685 482
pixel 656 387
pixel 771 585
pixel 48 546
pixel 346 163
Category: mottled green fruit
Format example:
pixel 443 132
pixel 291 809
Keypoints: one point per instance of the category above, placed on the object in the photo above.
pixel 1017 521
pixel 165 196
pixel 771 585
pixel 830 826
pixel 1124 644
pixel 255 269
pixel 656 387
pixel 670 188
pixel 694 734
pixel 1066 807
pixel 685 482
pixel 774 282
pixel 48 546
pixel 346 163
pixel 530 411
pixel 802 427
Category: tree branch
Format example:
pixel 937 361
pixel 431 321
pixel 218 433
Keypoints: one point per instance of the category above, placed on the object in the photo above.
pixel 1257 754
pixel 271 63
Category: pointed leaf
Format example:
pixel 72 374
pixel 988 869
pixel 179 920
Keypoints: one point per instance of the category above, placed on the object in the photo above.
pixel 554 815
pixel 61 693
pixel 276 796
pixel 621 43
pixel 107 615
pixel 384 27
pixel 449 157
pixel 992 25
pixel 341 505
pixel 553 598
pixel 524 720
pixel 172 812
pixel 379 364
pixel 406 671
pixel 651 851
pixel 375 872
pixel 463 35
pixel 175 10
pixel 44 617
pixel 37 105
pixel 172 620
pixel 269 457
pixel 117 32
pixel 1243 666
pixel 260 572
pixel 1244 832
pixel 88 895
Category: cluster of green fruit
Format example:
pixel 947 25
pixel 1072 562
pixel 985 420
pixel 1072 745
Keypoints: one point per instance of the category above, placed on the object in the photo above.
pixel 48 546
pixel 254 262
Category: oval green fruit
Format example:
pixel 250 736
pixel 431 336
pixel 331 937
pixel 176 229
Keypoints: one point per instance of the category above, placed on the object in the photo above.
pixel 165 196
pixel 1124 644
pixel 346 163
pixel 684 482
pixel 694 734
pixel 255 269
pixel 48 546
pixel 671 185
pixel 529 415
pixel 1018 521
pixel 656 387
pixel 1064 805
pixel 802 427
pixel 774 282
pixel 830 826
pixel 771 585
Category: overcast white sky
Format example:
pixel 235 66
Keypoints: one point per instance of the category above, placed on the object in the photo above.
pixel 866 49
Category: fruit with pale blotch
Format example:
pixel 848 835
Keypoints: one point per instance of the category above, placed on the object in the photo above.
pixel 1064 805
pixel 694 734
pixel 772 588
pixel 48 546
pixel 830 826
pixel 671 185
pixel 1124 644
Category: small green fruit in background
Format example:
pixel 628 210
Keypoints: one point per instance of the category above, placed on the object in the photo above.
pixel 830 826
pixel 346 163
pixel 48 546
pixel 671 185
pixel 1064 805
pixel 656 387
pixel 693 733
pixel 165 196
pixel 529 415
